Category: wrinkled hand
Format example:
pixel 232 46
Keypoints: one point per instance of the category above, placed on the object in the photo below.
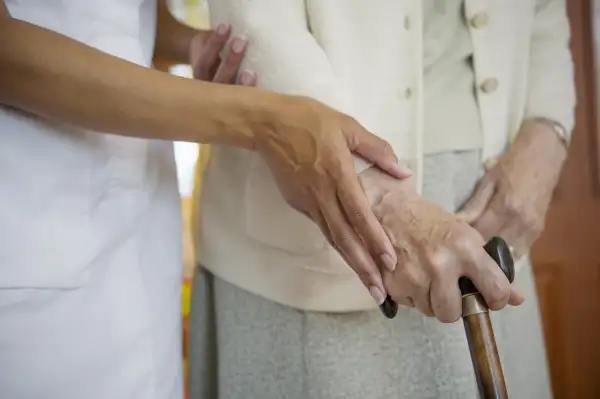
pixel 205 57
pixel 434 249
pixel 308 147
pixel 512 198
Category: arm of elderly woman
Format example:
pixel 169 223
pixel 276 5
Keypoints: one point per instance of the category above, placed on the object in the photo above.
pixel 434 249
pixel 513 197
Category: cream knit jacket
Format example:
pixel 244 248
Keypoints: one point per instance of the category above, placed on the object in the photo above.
pixel 363 57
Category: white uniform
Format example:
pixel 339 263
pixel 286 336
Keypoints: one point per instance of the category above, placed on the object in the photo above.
pixel 89 237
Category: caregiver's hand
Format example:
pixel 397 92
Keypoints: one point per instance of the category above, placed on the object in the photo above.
pixel 512 198
pixel 205 57
pixel 308 147
pixel 434 249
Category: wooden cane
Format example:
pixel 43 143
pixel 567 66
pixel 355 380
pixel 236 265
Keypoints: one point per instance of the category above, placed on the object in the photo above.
pixel 478 326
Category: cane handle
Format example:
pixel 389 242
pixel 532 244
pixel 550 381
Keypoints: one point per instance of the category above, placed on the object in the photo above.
pixel 499 251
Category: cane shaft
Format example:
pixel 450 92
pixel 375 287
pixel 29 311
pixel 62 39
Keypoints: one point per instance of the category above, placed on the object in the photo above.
pixel 486 362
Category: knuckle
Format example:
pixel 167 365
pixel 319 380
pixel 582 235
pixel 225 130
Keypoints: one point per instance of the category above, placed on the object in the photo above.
pixel 513 205
pixel 415 278
pixel 340 240
pixel 437 259
pixel 535 225
pixel 463 243
pixel 386 148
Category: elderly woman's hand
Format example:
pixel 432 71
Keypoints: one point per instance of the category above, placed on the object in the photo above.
pixel 434 249
pixel 512 198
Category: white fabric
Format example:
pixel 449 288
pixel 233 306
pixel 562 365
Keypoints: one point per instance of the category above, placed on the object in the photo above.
pixel 450 111
pixel 89 237
pixel 360 58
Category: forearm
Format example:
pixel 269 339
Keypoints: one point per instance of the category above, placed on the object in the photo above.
pixel 551 86
pixel 52 76
pixel 282 53
pixel 172 37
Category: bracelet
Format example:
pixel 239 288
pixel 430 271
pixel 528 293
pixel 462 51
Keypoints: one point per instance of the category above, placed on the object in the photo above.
pixel 560 131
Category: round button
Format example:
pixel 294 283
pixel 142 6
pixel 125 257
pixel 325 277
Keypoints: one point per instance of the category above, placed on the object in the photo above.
pixel 480 20
pixel 407 22
pixel 490 163
pixel 408 93
pixel 489 85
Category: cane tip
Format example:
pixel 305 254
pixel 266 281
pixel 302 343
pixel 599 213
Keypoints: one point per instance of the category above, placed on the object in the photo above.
pixel 389 308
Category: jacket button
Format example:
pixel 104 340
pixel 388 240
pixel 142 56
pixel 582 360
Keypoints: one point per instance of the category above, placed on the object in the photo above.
pixel 480 20
pixel 408 93
pixel 490 163
pixel 489 85
pixel 407 22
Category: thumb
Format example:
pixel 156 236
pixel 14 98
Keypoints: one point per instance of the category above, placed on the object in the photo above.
pixel 378 151
pixel 476 205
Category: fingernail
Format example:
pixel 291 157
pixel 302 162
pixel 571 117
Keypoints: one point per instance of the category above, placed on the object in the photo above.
pixel 377 294
pixel 388 262
pixel 238 44
pixel 402 170
pixel 222 29
pixel 247 78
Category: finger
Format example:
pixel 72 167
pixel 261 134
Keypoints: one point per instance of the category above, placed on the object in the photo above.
pixel 319 220
pixel 208 54
pixel 517 237
pixel 346 241
pixel 358 212
pixel 406 301
pixel 411 281
pixel 446 299
pixel 476 205
pixel 489 280
pixel 399 287
pixel 247 78
pixel 232 61
pixel 515 298
pixel 375 150
pixel 422 302
pixel 491 223
pixel 377 293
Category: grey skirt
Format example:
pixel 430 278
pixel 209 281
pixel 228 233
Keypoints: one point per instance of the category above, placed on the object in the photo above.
pixel 243 346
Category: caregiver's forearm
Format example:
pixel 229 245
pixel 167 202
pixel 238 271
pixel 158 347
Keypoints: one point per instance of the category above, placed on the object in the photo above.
pixel 173 38
pixel 52 76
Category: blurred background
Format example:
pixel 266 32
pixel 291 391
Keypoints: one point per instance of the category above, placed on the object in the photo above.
pixel 567 257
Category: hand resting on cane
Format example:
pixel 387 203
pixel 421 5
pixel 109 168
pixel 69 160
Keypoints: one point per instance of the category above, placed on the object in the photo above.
pixel 434 249
pixel 512 199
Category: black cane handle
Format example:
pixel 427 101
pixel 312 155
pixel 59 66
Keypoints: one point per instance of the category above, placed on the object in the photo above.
pixel 499 251
pixel 496 248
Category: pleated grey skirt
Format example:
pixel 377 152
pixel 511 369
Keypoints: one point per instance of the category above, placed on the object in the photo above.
pixel 243 346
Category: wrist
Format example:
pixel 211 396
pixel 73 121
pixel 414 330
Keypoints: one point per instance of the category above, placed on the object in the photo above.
pixel 245 117
pixel 557 129
pixel 543 136
pixel 380 186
